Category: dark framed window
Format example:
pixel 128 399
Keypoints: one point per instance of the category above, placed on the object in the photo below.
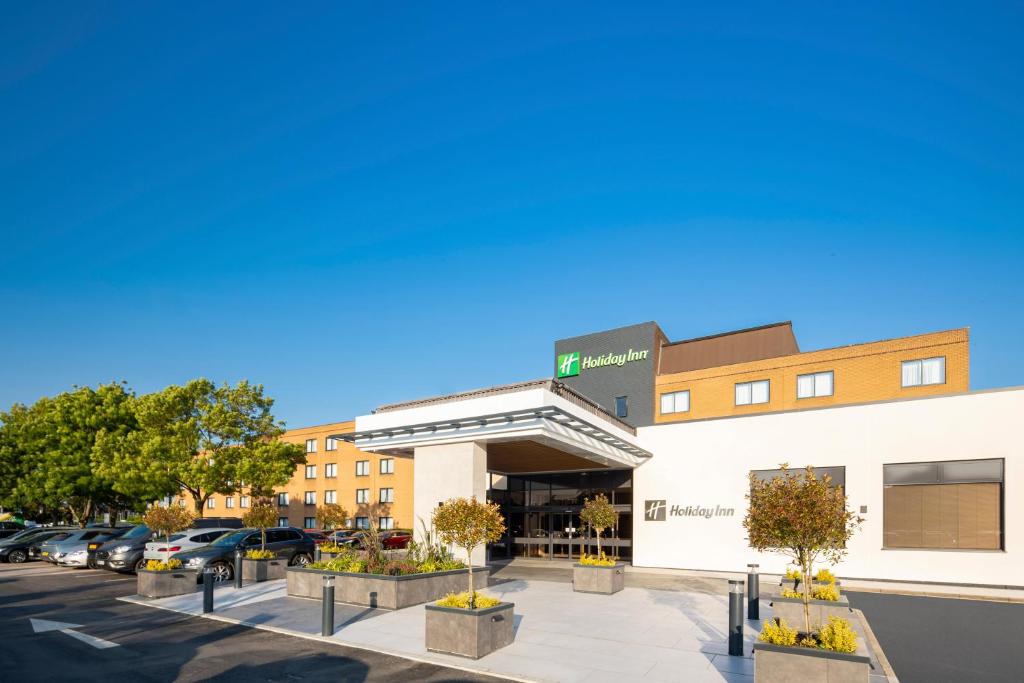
pixel 621 406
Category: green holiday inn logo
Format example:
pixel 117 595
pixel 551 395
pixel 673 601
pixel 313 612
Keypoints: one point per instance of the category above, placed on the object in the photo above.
pixel 568 364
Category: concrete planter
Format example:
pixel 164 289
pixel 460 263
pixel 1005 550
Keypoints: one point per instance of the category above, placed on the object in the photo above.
pixel 595 579
pixel 469 633
pixel 263 570
pixel 154 584
pixel 385 592
pixel 781 664
pixel 791 610
pixel 791 584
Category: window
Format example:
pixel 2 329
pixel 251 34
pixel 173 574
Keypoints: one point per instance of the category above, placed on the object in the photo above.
pixel 814 384
pixel 309 522
pixel 211 503
pixel 621 406
pixel 330 496
pixel 362 522
pixel 311 445
pixel 387 466
pixel 923 372
pixel 952 505
pixel 331 470
pixel 837 474
pixel 310 471
pixel 229 502
pixel 387 496
pixel 243 501
pixel 282 500
pixel 331 444
pixel 362 495
pixel 387 522
pixel 362 468
pixel 748 393
pixel 310 498
pixel 281 521
pixel 675 402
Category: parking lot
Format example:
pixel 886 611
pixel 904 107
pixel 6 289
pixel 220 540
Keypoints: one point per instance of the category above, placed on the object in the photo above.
pixel 120 641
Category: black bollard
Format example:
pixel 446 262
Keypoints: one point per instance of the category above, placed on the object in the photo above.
pixel 753 592
pixel 327 613
pixel 207 590
pixel 735 618
pixel 238 569
pixel 316 554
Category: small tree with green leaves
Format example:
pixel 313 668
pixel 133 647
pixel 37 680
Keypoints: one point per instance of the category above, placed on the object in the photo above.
pixel 803 517
pixel 164 521
pixel 261 516
pixel 467 523
pixel 598 514
pixel 331 516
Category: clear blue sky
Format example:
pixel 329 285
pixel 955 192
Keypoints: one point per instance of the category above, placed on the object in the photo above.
pixel 355 205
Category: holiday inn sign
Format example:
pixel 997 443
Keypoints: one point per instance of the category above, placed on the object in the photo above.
pixel 570 364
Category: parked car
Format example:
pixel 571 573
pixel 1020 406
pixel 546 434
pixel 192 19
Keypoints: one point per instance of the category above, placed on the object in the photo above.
pixel 288 542
pixel 9 528
pixel 319 537
pixel 351 537
pixel 126 554
pixel 70 549
pixel 16 548
pixel 395 540
pixel 190 539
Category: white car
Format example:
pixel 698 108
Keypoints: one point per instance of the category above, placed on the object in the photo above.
pixel 189 539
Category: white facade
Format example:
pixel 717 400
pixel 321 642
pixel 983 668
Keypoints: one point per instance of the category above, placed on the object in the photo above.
pixel 705 464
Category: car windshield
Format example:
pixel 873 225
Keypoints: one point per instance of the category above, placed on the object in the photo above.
pixel 24 534
pixel 231 538
pixel 57 537
pixel 137 531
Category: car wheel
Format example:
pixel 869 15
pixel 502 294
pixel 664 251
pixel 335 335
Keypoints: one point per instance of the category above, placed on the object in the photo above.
pixel 140 564
pixel 17 556
pixel 91 562
pixel 301 560
pixel 222 571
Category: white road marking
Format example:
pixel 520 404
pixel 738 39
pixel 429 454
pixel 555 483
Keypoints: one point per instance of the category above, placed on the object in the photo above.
pixel 44 626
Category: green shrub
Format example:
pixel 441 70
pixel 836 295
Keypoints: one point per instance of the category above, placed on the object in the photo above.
pixel 601 560
pixel 827 592
pixel 790 593
pixel 837 635
pixel 776 632
pixel 161 566
pixel 399 568
pixel 825 576
pixel 256 554
pixel 461 600
pixel 333 548
pixel 793 573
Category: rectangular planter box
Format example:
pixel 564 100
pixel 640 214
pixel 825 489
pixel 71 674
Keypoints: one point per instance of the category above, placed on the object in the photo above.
pixel 263 570
pixel 469 633
pixel 792 583
pixel 791 610
pixel 594 579
pixel 781 664
pixel 385 592
pixel 153 584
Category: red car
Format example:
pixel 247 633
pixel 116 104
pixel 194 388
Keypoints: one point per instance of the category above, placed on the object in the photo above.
pixel 395 540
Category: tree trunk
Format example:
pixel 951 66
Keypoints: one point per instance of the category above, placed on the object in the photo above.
pixel 200 503
pixel 805 566
pixel 263 538
pixel 598 543
pixel 469 563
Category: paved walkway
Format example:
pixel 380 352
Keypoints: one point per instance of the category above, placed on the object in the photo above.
pixel 636 635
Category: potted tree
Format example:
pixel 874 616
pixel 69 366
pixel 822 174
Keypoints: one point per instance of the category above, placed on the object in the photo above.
pixel 598 573
pixel 468 624
pixel 805 518
pixel 262 564
pixel 161 579
pixel 330 516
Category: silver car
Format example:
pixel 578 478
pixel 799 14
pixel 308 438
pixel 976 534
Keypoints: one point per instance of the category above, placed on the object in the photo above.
pixel 72 549
pixel 189 539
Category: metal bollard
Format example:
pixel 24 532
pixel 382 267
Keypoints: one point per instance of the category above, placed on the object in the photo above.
pixel 327 614
pixel 238 569
pixel 735 618
pixel 207 590
pixel 753 592
pixel 317 556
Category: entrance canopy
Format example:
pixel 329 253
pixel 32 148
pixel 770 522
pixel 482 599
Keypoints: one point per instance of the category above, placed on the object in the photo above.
pixel 527 427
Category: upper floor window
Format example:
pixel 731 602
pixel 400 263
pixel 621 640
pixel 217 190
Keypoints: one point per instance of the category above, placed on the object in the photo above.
pixel 330 496
pixel 311 445
pixel 362 468
pixel 281 521
pixel 748 393
pixel 310 471
pixel 310 498
pixel 229 502
pixel 211 503
pixel 621 406
pixel 814 384
pixel 282 499
pixel 331 444
pixel 243 501
pixel 331 469
pixel 387 495
pixel 387 466
pixel 675 402
pixel 926 371
pixel 362 496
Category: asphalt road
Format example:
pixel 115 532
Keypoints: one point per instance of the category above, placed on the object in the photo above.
pixel 156 645
pixel 936 640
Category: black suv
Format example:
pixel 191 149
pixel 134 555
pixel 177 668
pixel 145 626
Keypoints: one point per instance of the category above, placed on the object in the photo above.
pixel 125 554
pixel 8 529
pixel 288 542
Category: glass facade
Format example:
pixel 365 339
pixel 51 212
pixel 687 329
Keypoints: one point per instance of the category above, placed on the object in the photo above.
pixel 542 513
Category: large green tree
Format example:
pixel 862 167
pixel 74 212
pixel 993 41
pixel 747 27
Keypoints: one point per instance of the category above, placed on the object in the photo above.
pixel 201 439
pixel 55 441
